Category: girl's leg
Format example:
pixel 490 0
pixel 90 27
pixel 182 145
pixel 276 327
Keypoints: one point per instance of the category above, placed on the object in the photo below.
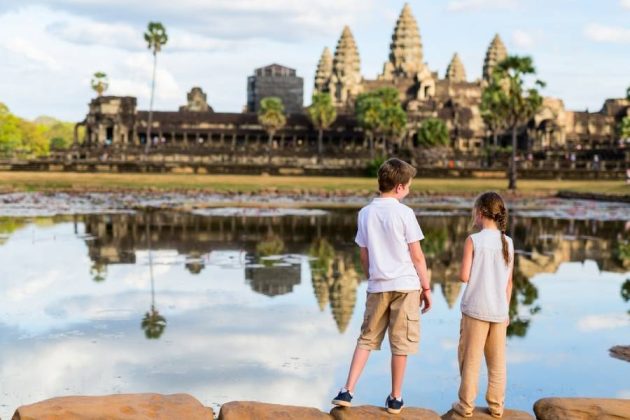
pixel 472 340
pixel 359 359
pixel 399 363
pixel 495 359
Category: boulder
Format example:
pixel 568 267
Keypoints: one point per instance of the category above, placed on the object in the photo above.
pixel 582 409
pixel 127 406
pixel 370 412
pixel 621 352
pixel 482 413
pixel 252 410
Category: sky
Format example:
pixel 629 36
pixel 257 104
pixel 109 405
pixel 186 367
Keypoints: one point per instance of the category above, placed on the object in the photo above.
pixel 49 49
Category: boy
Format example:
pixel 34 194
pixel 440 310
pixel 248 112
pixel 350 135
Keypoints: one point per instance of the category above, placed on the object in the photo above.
pixel 392 259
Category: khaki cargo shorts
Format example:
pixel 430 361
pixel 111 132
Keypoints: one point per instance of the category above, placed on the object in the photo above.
pixel 396 312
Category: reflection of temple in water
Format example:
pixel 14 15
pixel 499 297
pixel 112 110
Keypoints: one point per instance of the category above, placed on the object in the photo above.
pixel 273 280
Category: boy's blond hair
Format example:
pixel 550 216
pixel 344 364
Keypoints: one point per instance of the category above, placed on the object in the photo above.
pixel 394 172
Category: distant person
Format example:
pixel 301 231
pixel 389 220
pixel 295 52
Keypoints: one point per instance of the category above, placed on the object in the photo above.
pixel 389 238
pixel 487 269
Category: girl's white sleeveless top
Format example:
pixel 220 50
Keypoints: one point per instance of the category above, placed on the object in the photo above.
pixel 485 295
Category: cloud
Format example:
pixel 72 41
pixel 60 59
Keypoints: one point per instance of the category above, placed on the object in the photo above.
pixel 603 33
pixel 25 49
pixel 625 4
pixel 523 39
pixel 603 322
pixel 226 19
pixel 464 5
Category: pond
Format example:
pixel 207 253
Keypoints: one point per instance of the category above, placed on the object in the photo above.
pixel 249 305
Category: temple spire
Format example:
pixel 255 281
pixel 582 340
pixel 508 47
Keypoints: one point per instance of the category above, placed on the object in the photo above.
pixel 324 71
pixel 455 71
pixel 495 54
pixel 345 82
pixel 405 56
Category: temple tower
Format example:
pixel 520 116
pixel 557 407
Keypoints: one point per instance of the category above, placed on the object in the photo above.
pixel 495 54
pixel 405 57
pixel 455 71
pixel 345 82
pixel 324 71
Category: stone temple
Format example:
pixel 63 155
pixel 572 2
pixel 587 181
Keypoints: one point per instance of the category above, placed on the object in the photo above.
pixel 424 93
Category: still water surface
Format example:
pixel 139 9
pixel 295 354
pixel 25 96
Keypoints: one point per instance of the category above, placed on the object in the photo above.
pixel 245 307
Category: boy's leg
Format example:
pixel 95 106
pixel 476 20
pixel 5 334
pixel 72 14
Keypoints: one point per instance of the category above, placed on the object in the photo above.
pixel 472 339
pixel 495 359
pixel 399 363
pixel 359 359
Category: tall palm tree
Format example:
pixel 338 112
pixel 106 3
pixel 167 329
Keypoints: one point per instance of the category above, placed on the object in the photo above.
pixel 271 117
pixel 322 114
pixel 520 103
pixel 153 323
pixel 368 111
pixel 156 37
pixel 99 82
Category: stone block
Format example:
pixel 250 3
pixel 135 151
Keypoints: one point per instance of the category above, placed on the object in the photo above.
pixel 252 410
pixel 582 409
pixel 482 413
pixel 109 407
pixel 370 412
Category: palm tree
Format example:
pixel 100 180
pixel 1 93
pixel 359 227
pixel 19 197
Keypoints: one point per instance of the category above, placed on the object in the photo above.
pixel 271 117
pixel 433 132
pixel 492 110
pixel 156 37
pixel 153 323
pixel 380 112
pixel 322 114
pixel 99 82
pixel 368 111
pixel 393 124
pixel 520 103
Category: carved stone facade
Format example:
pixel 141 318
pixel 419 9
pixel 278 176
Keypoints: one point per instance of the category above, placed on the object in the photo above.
pixel 197 101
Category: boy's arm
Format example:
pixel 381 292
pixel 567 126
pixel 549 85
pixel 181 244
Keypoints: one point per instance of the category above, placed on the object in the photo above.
pixel 365 261
pixel 464 273
pixel 420 263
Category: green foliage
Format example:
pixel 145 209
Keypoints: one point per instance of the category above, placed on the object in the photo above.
pixel 373 165
pixel 99 82
pixel 493 110
pixel 380 112
pixel 624 128
pixel 155 36
pixel 435 243
pixel 10 131
pixel 323 252
pixel 628 93
pixel 433 132
pixel 272 245
pixel 322 112
pixel 153 324
pixel 271 115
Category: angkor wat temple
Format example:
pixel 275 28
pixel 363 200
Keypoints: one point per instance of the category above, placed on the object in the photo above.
pixel 196 127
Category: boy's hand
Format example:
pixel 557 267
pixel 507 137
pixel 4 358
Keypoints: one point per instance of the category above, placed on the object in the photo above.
pixel 426 300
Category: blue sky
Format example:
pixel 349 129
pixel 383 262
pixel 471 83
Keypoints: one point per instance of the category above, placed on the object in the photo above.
pixel 49 49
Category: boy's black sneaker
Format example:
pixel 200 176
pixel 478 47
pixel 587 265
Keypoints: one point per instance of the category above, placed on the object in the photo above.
pixel 344 399
pixel 393 405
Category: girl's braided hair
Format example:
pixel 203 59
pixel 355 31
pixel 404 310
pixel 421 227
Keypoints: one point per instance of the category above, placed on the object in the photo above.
pixel 491 206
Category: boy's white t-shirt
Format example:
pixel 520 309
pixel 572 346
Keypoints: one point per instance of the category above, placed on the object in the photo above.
pixel 386 227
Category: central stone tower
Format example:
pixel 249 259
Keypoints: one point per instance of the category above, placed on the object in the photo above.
pixel 405 56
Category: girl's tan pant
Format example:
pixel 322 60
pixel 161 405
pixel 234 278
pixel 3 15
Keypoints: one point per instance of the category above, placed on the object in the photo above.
pixel 477 339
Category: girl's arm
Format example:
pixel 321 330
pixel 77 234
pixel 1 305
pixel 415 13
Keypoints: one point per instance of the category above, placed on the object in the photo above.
pixel 464 274
pixel 508 290
pixel 365 262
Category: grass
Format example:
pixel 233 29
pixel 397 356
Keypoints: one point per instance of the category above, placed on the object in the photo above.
pixel 64 181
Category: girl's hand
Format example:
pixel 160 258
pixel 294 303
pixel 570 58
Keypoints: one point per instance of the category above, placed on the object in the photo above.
pixel 425 300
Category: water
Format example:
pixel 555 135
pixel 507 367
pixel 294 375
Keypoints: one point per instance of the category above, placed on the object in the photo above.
pixel 267 306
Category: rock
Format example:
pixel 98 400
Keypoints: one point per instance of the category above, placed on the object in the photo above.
pixel 370 412
pixel 128 406
pixel 582 409
pixel 252 410
pixel 482 413
pixel 621 352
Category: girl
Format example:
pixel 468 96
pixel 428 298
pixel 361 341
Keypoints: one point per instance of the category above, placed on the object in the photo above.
pixel 487 269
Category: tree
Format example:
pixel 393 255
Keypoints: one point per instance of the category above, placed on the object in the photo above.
pixel 271 117
pixel 99 82
pixel 322 114
pixel 520 103
pixel 10 133
pixel 628 93
pixel 624 128
pixel 380 112
pixel 34 140
pixel 153 324
pixel 492 109
pixel 433 132
pixel 156 37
